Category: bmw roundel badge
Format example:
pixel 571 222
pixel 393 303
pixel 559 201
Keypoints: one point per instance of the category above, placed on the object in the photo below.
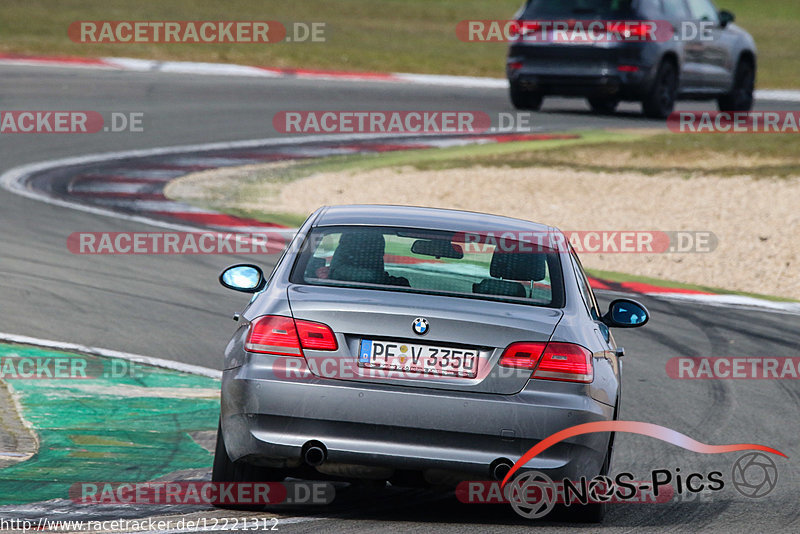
pixel 420 326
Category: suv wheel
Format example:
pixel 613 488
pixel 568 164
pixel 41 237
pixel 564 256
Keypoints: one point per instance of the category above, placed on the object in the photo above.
pixel 525 99
pixel 660 102
pixel 741 96
pixel 603 105
pixel 224 470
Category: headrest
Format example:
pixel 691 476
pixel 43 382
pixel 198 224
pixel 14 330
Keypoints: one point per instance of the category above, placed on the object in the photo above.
pixel 503 288
pixel 518 266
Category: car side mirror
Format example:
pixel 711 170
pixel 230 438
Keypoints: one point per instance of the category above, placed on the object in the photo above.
pixel 626 313
pixel 244 277
pixel 726 17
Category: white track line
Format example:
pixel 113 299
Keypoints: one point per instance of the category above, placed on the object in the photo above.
pixel 138 358
pixel 14 179
pixel 734 301
pixel 227 69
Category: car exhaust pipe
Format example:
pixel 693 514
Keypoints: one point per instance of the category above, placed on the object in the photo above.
pixel 314 453
pixel 500 468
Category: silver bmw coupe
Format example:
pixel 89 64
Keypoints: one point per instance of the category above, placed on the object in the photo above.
pixel 418 346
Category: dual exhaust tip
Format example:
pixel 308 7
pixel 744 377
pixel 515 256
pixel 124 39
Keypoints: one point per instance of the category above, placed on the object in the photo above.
pixel 315 453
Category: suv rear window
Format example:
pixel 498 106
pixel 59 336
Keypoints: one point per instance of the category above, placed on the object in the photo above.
pixel 578 9
pixel 431 262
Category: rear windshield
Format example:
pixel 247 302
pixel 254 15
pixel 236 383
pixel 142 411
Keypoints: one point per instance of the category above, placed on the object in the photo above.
pixel 432 262
pixel 578 9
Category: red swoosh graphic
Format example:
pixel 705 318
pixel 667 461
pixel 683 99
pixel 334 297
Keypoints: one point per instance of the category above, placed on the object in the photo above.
pixel 634 427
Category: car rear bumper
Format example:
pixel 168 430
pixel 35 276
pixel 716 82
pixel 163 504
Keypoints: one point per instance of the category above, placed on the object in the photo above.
pixel 607 82
pixel 268 421
pixel 584 70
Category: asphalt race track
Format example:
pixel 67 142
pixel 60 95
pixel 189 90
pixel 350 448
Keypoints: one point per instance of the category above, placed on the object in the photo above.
pixel 172 306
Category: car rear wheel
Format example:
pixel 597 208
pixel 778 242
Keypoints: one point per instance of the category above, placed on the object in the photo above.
pixel 224 470
pixel 586 513
pixel 660 101
pixel 525 99
pixel 741 96
pixel 603 105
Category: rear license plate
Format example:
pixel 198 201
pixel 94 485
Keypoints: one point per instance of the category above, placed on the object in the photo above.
pixel 424 359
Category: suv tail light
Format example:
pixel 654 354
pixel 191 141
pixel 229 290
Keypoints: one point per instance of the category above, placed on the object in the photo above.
pixel 284 336
pixel 517 29
pixel 551 361
pixel 631 30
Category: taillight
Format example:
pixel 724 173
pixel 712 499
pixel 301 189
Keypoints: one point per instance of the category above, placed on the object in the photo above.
pixel 274 334
pixel 630 31
pixel 518 29
pixel 551 361
pixel 316 336
pixel 628 68
pixel 529 27
pixel 565 361
pixel 522 355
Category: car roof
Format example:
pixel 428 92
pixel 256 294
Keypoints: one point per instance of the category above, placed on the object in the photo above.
pixel 419 217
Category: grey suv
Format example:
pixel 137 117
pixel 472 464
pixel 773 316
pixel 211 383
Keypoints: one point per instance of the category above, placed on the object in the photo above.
pixel 695 53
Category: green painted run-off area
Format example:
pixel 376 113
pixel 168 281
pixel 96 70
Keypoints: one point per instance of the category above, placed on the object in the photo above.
pixel 132 428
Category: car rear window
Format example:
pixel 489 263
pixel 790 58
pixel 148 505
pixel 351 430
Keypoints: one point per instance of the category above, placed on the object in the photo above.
pixel 456 264
pixel 578 9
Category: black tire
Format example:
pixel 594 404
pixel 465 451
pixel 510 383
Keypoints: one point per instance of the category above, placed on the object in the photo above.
pixel 660 101
pixel 594 512
pixel 603 105
pixel 741 96
pixel 525 99
pixel 224 470
pixel 591 512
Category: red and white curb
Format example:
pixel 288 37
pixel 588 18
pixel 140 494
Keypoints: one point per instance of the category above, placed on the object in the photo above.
pixel 139 187
pixel 225 69
pixel 134 188
pixel 694 295
pixel 134 191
